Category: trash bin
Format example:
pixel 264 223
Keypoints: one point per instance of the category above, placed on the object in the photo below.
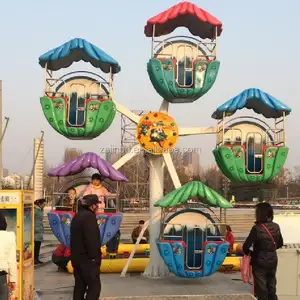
pixel 288 272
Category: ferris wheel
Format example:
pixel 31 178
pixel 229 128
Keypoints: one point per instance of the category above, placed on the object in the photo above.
pixel 81 106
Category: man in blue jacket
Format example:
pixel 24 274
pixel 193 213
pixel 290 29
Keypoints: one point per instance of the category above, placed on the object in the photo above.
pixel 86 250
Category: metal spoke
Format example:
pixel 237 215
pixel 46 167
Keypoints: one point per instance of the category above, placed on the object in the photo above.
pixel 197 130
pixel 172 171
pixel 134 151
pixel 126 112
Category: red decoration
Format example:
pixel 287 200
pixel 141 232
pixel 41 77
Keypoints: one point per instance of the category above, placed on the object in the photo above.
pixel 185 14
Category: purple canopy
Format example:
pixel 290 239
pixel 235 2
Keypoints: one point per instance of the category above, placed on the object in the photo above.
pixel 88 160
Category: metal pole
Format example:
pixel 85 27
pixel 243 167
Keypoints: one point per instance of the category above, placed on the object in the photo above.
pixel 36 157
pixel 4 130
pixel 156 267
pixel 1 165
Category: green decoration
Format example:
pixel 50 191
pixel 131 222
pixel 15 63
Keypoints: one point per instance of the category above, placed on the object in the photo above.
pixel 98 117
pixel 232 163
pixel 193 189
pixel 163 80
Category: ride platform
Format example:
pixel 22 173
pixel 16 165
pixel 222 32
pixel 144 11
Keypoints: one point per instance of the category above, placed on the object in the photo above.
pixel 53 285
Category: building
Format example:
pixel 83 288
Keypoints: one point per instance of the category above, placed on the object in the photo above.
pixel 5 172
pixel 191 163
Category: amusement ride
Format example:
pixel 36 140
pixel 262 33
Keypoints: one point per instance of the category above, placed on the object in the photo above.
pixel 80 106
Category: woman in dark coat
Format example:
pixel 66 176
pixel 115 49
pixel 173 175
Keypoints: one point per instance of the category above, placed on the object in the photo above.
pixel 263 241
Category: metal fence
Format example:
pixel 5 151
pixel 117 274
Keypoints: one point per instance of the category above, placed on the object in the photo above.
pixel 134 205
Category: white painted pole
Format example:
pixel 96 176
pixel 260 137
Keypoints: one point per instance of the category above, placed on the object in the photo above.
pixel 156 267
pixel 1 165
pixel 146 225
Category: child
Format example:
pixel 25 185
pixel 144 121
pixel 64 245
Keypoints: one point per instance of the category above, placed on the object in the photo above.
pixel 95 187
pixel 230 239
pixel 265 238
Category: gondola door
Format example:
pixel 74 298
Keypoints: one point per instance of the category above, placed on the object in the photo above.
pixel 185 75
pixel 77 105
pixel 254 157
pixel 193 238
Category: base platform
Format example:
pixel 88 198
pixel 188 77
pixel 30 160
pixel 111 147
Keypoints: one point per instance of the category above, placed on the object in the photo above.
pixel 195 297
pixel 53 285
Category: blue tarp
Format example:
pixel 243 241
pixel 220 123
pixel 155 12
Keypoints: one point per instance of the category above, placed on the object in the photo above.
pixel 75 50
pixel 255 99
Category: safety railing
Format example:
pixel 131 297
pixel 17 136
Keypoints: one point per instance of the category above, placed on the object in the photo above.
pixel 201 50
pixel 96 86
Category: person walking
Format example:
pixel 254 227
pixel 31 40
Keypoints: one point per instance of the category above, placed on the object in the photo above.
pixel 8 260
pixel 86 250
pixel 38 228
pixel 265 238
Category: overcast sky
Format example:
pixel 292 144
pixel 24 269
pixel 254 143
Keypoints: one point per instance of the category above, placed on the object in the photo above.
pixel 259 48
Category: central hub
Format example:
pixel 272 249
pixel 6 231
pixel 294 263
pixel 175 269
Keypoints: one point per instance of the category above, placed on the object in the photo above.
pixel 157 133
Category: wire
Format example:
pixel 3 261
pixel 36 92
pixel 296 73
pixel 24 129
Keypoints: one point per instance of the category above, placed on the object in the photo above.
pixel 22 161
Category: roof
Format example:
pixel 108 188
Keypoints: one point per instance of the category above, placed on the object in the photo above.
pixel 88 160
pixel 75 50
pixel 193 189
pixel 185 14
pixel 255 99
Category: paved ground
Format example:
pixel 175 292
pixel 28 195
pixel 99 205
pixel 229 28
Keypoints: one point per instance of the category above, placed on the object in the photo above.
pixel 52 285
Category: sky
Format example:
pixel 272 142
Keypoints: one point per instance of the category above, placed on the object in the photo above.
pixel 258 48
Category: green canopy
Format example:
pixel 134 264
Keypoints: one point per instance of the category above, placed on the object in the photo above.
pixel 193 189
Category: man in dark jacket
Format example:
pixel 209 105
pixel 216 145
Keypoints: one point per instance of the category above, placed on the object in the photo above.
pixel 86 250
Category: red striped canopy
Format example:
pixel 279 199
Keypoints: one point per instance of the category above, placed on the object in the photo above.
pixel 185 14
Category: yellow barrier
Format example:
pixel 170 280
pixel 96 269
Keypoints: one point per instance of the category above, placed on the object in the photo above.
pixel 237 248
pixel 231 263
pixel 128 248
pixel 138 265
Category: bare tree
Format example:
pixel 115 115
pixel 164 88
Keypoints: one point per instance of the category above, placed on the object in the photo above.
pixel 53 184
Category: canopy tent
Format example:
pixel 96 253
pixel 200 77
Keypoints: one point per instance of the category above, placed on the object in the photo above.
pixel 255 99
pixel 185 14
pixel 76 50
pixel 191 189
pixel 88 160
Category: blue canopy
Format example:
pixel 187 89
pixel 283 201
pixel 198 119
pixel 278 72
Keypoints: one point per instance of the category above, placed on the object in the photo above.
pixel 259 101
pixel 76 50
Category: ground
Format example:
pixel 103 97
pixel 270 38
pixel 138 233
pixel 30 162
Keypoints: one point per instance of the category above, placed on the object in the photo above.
pixel 52 285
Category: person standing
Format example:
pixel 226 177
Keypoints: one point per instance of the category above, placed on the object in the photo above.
pixel 86 250
pixel 230 239
pixel 60 257
pixel 38 228
pixel 265 238
pixel 136 232
pixel 8 260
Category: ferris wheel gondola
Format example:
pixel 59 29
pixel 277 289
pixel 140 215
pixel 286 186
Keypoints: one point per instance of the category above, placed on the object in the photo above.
pixel 248 148
pixel 183 68
pixel 78 105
